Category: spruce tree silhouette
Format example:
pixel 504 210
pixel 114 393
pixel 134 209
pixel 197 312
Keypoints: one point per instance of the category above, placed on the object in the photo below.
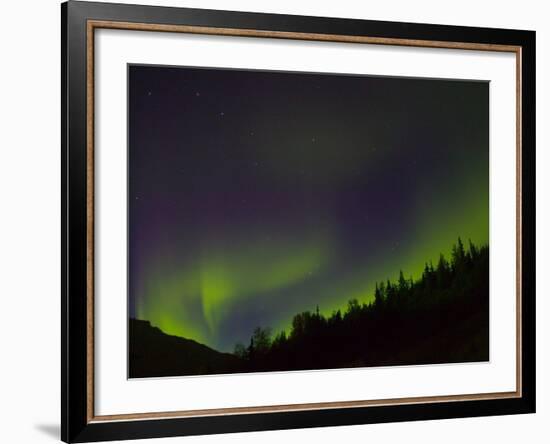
pixel 441 317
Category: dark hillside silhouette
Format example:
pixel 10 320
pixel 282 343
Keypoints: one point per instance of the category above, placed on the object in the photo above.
pixel 443 317
pixel 154 353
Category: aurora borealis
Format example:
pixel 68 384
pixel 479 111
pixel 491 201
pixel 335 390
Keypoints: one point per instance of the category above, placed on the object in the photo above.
pixel 255 195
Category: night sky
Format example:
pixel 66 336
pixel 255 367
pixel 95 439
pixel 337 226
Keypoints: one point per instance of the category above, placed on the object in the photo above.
pixel 256 195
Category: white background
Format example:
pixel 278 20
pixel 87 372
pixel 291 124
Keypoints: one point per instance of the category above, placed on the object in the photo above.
pixel 29 234
pixel 115 394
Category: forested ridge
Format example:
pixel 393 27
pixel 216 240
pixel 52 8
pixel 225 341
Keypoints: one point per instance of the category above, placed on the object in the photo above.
pixel 441 317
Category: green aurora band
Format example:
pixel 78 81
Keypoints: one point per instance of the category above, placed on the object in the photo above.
pixel 229 275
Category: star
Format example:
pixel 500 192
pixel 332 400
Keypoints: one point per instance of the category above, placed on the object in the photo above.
pixel 222 114
pixel 198 94
pixel 313 140
pixel 149 93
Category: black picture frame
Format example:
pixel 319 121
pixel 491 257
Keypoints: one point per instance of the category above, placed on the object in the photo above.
pixel 76 423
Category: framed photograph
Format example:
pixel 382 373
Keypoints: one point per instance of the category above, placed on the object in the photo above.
pixel 276 221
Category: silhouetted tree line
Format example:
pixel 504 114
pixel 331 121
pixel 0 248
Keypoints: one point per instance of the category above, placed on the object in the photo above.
pixel 441 317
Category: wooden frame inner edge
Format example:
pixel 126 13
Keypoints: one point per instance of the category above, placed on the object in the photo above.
pixel 94 24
